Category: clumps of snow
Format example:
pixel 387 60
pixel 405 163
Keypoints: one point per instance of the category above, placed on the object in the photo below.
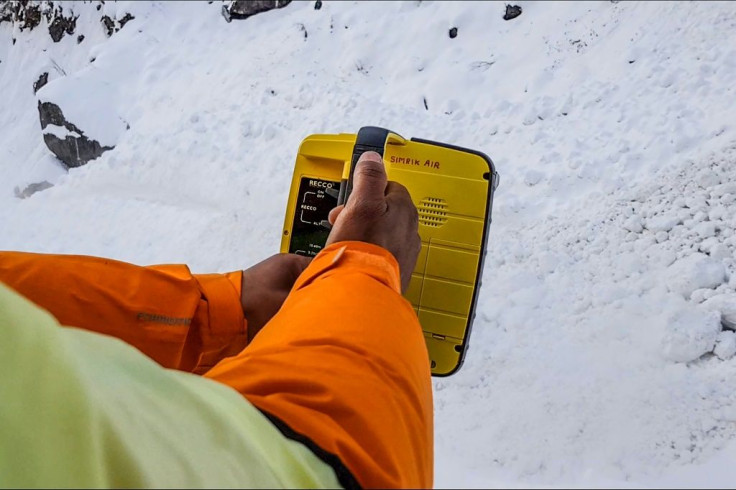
pixel 695 271
pixel 601 338
pixel 634 224
pixel 725 345
pixel 533 177
pixel 690 333
pixel 725 304
pixel 662 223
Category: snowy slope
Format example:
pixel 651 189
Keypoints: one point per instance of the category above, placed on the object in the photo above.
pixel 611 125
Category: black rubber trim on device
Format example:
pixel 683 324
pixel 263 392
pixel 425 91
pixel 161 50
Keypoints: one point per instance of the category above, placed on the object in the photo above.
pixel 492 184
pixel 343 474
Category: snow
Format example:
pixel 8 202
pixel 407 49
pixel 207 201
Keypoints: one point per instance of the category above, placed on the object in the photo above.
pixel 725 345
pixel 690 333
pixel 611 254
pixel 59 131
pixel 726 305
pixel 90 101
pixel 695 271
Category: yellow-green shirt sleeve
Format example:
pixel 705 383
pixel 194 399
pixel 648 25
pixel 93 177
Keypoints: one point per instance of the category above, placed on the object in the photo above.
pixel 80 409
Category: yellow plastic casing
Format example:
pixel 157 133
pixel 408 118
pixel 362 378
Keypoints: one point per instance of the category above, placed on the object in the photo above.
pixel 452 189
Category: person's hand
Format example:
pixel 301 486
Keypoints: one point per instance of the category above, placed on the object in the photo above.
pixel 379 212
pixel 265 287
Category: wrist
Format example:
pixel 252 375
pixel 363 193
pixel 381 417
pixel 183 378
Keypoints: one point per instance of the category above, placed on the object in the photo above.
pixel 356 256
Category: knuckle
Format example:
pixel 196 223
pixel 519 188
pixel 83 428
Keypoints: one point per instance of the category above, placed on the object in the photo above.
pixel 402 188
pixel 367 210
pixel 409 207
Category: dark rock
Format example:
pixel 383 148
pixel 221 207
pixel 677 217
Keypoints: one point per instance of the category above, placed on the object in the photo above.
pixel 32 189
pixel 109 25
pixel 512 12
pixel 242 9
pixel 80 38
pixel 126 18
pixel 6 12
pixel 62 25
pixel 51 114
pixel 453 33
pixel 28 15
pixel 74 150
pixel 42 80
pixel 114 25
pixel 318 5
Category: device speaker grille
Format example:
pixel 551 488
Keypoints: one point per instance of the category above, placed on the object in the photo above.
pixel 432 211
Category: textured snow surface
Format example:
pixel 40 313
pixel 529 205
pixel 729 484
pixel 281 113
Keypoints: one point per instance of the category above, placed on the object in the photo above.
pixel 610 269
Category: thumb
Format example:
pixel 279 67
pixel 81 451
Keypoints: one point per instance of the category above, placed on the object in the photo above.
pixel 369 179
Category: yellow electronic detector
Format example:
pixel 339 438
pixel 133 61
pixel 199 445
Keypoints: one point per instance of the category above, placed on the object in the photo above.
pixel 452 189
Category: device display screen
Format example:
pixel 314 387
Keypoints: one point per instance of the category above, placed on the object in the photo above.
pixel 309 231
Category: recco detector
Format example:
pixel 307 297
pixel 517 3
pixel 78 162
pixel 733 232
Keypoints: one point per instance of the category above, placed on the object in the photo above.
pixel 451 187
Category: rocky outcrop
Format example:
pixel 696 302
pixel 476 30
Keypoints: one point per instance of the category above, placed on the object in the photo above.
pixel 114 25
pixel 28 14
pixel 65 140
pixel 242 9
pixel 62 25
pixel 43 79
pixel 6 12
pixel 25 14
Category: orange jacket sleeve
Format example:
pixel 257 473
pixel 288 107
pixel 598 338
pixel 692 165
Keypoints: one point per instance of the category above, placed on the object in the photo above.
pixel 343 367
pixel 182 321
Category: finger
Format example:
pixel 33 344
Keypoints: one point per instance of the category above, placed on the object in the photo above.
pixel 332 217
pixel 369 178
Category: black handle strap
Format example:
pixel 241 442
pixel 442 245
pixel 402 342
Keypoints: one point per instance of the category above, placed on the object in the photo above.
pixel 370 138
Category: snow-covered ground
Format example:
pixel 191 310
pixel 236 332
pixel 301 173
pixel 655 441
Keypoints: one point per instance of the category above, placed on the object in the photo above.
pixel 610 266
